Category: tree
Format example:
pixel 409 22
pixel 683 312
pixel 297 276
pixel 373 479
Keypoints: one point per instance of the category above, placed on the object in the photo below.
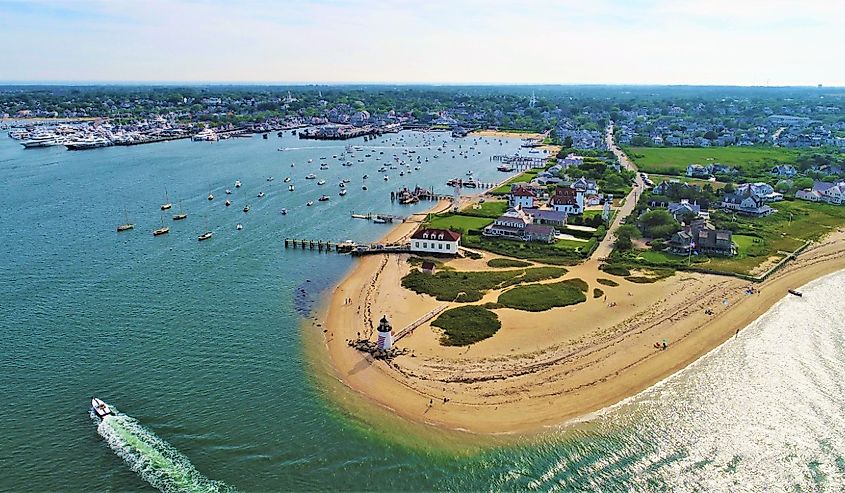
pixel 658 224
pixel 567 142
pixel 710 135
pixel 802 183
pixel 624 235
pixel 729 188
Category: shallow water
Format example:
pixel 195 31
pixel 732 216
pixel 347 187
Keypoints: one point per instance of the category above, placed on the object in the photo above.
pixel 200 343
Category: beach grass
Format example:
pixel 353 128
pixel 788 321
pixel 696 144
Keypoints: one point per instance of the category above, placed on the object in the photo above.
pixel 607 282
pixel 470 285
pixel 562 252
pixel 598 292
pixel 466 325
pixel 542 297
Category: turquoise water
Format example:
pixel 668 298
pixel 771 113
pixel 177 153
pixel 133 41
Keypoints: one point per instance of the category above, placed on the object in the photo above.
pixel 200 345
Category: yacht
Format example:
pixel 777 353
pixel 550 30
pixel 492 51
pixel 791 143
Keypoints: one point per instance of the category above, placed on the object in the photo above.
pixel 19 134
pixel 89 142
pixel 181 215
pixel 205 135
pixel 44 139
pixel 166 205
pixel 125 227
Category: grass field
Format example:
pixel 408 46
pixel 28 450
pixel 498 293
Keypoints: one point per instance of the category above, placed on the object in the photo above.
pixel 657 178
pixel 490 209
pixel 562 252
pixel 465 325
pixel 459 222
pixel 674 160
pixel 471 286
pixel 499 263
pixel 542 297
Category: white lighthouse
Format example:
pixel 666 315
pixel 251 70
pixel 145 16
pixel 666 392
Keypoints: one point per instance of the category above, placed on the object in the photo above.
pixel 385 334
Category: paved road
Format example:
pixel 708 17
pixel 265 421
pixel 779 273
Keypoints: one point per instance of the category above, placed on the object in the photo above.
pixel 606 245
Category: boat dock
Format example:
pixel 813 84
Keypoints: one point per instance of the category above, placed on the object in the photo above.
pixel 381 218
pixel 320 246
pixel 408 196
pixel 521 163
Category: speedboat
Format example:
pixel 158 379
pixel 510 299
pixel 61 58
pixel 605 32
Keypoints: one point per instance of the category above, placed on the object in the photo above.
pixel 310 176
pixel 210 196
pixel 100 408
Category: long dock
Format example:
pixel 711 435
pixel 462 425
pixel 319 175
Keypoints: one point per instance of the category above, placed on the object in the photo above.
pixel 320 246
pixel 522 163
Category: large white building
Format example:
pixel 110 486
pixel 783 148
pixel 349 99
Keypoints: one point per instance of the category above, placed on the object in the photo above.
pixel 435 241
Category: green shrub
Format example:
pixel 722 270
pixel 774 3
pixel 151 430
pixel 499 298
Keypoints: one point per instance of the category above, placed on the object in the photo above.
pixel 466 325
pixel 616 270
pixel 506 262
pixel 473 255
pixel 597 293
pixel 607 282
pixel 541 297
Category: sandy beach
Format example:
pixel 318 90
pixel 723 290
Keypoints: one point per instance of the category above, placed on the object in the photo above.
pixel 543 369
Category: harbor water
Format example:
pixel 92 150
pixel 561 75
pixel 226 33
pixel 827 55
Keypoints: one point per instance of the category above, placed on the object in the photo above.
pixel 202 345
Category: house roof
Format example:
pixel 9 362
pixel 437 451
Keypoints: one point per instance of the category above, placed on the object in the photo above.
pixel 434 234
pixel 547 215
pixel 540 229
pixel 523 192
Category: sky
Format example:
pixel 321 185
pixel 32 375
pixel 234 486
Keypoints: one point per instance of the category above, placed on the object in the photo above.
pixel 697 42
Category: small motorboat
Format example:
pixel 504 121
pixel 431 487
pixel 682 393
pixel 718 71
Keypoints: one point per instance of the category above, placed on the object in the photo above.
pixel 270 178
pixel 284 212
pixel 309 203
pixel 341 185
pixel 100 408
pixel 239 226
pixel 210 197
pixel 321 182
pixel 291 188
pixel 342 192
pixel 287 179
pixel 323 198
pixel 228 203
pixel 310 176
pixel 260 194
pixel 795 292
pixel 237 183
pixel 386 178
pixel 345 180
pixel 204 236
pixel 246 208
pixel 364 187
pixel 365 177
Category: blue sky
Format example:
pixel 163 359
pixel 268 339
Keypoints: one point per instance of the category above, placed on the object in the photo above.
pixel 743 42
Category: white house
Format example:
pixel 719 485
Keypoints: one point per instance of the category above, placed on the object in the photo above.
pixel 435 241
pixel 522 198
pixel 568 200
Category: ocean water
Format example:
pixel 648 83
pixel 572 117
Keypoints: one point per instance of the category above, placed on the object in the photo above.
pixel 201 345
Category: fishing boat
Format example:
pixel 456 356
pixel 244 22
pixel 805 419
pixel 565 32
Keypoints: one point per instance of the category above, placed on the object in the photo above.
pixel 309 203
pixel 342 192
pixel 246 208
pixel 284 212
pixel 237 183
pixel 260 194
pixel 100 408
pixel 323 198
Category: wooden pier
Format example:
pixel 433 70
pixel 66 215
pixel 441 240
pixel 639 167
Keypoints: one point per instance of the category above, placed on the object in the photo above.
pixel 320 246
pixel 373 216
pixel 521 163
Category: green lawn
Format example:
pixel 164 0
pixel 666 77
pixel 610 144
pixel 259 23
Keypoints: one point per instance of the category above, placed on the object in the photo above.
pixel 490 209
pixel 459 222
pixel 674 160
pixel 471 286
pixel 657 178
pixel 499 263
pixel 542 297
pixel 465 325
pixel 562 252
pixel 524 177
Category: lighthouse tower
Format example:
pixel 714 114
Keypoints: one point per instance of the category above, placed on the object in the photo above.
pixel 385 336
